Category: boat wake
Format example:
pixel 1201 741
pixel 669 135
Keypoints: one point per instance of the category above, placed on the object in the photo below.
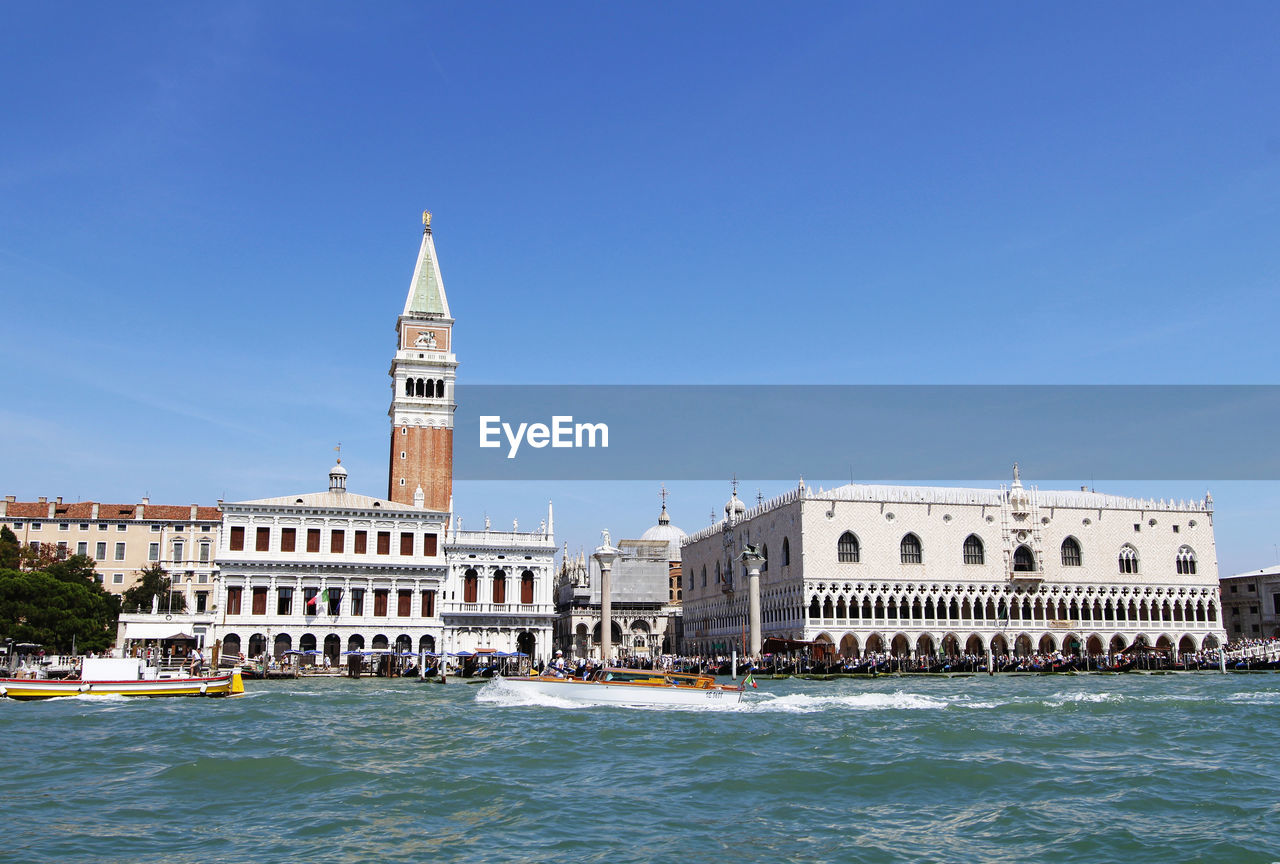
pixel 804 703
pixel 498 692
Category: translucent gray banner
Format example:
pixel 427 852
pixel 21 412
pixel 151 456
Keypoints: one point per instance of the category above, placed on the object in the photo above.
pixel 907 433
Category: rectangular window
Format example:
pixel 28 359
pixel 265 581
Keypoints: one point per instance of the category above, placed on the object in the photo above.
pixel 1275 603
pixel 202 601
pixel 62 550
pixel 337 541
pixel 259 601
pixel 284 601
pixel 119 551
pixel 313 539
pixel 178 551
pixel 203 578
pixel 82 548
pixel 155 527
pixel 404 604
pixel 35 526
pixel 1253 610
pixel 429 545
pixel 153 551
pixel 406 543
pixel 233 600
pixel 288 539
pixel 384 542
pixel 262 542
pixel 310 605
pixel 335 601
pixel 237 538
pixel 357 601
pixel 204 553
pixel 84 526
pixel 117 579
pixel 429 604
pixel 100 550
pixel 120 526
pixel 102 526
pixel 362 542
pixel 64 526
pixel 380 603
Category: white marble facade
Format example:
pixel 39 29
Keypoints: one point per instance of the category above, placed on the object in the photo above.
pixel 928 570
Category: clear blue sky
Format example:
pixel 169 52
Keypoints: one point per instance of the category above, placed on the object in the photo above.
pixel 209 213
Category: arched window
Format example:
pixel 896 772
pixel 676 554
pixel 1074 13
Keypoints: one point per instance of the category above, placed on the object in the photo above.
pixel 470 587
pixel 786 551
pixel 847 550
pixel 1024 561
pixel 439 388
pixel 718 576
pixel 419 387
pixel 499 587
pixel 1186 561
pixel 408 386
pixel 911 551
pixel 973 551
pixel 764 565
pixel 1128 559
pixel 526 587
pixel 813 608
pixel 1071 552
pixel 704 575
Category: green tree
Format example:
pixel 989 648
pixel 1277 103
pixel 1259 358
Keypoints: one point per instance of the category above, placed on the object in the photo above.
pixel 56 612
pixel 77 569
pixel 10 549
pixel 153 582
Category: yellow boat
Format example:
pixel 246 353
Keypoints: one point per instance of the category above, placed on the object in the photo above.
pixel 128 676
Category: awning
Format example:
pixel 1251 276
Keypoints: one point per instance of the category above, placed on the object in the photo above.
pixel 158 630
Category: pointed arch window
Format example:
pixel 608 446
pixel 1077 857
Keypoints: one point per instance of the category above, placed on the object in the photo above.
pixel 1128 559
pixel 1024 560
pixel 718 576
pixel 1071 552
pixel 1186 561
pixel 786 551
pixel 911 551
pixel 764 565
pixel 848 550
pixel 973 551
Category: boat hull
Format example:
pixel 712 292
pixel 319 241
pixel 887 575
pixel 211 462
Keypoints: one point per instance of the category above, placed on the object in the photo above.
pixel 27 688
pixel 606 693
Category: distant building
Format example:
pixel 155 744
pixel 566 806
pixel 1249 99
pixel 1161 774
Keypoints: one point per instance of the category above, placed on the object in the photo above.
pixel 646 602
pixel 124 539
pixel 1251 604
pixel 926 570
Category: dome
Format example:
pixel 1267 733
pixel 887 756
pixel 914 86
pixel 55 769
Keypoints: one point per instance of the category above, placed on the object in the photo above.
pixel 735 506
pixel 664 530
pixel 338 469
pixel 338 478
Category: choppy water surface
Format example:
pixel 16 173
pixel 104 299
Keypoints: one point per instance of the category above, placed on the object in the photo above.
pixel 1093 768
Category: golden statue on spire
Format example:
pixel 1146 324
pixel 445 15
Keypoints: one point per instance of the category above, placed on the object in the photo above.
pixel 426 221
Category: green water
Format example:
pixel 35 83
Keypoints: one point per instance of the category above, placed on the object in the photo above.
pixel 1093 768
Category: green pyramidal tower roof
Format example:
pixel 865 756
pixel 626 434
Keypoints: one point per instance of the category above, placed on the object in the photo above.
pixel 426 291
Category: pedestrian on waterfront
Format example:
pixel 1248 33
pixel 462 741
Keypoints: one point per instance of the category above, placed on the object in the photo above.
pixel 197 661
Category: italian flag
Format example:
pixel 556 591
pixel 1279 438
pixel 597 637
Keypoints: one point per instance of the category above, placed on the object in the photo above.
pixel 322 597
pixel 750 679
